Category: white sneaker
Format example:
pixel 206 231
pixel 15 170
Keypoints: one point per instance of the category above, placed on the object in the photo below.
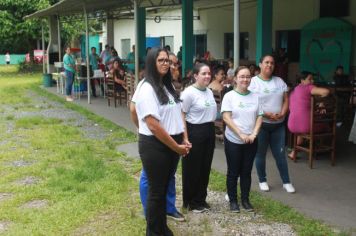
pixel 69 99
pixel 289 188
pixel 227 198
pixel 264 186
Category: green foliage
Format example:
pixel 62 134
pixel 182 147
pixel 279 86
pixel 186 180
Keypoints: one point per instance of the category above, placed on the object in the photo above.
pixel 29 67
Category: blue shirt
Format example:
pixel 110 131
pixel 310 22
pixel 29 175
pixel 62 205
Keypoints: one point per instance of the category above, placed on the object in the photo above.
pixel 69 63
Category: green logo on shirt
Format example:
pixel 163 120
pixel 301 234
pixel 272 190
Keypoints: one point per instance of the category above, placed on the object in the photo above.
pixel 207 103
pixel 171 102
pixel 241 105
pixel 266 90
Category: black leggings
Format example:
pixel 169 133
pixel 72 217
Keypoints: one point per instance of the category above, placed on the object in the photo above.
pixel 239 159
pixel 160 163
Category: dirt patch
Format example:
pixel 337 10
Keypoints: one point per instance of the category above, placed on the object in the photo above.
pixel 103 221
pixel 21 163
pixel 35 204
pixel 5 196
pixel 29 180
pixel 4 225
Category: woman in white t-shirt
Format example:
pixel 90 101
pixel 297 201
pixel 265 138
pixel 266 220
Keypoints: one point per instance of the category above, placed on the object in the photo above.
pixel 200 113
pixel 272 92
pixel 242 114
pixel 161 131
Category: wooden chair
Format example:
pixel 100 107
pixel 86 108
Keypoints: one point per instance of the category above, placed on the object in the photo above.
pixel 111 90
pixel 323 113
pixel 219 123
pixel 130 84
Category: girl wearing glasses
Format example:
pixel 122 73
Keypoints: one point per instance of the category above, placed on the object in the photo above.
pixel 242 114
pixel 161 131
pixel 272 92
pixel 199 108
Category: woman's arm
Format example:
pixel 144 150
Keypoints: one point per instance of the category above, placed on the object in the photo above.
pixel 320 91
pixel 227 117
pixel 164 137
pixel 256 130
pixel 133 114
pixel 285 107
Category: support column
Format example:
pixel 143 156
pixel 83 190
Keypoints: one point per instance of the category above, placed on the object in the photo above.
pixel 187 30
pixel 236 33
pixel 59 40
pixel 264 28
pixel 43 49
pixel 110 31
pixel 140 33
pixel 87 53
pixel 52 48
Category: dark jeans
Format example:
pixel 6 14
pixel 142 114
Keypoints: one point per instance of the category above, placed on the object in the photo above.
pixel 239 159
pixel 273 135
pixel 160 163
pixel 69 82
pixel 197 164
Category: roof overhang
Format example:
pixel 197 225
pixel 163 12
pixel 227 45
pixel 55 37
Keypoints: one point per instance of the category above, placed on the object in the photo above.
pixel 72 7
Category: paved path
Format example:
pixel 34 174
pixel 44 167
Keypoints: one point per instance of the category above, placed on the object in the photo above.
pixel 326 193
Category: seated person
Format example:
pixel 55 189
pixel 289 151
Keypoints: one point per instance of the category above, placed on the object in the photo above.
pixel 118 75
pixel 299 107
pixel 218 78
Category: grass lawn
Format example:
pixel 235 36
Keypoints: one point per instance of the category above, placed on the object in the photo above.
pixel 85 185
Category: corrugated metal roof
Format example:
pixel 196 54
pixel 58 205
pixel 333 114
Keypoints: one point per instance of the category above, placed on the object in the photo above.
pixel 71 7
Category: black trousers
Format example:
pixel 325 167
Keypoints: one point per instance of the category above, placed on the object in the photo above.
pixel 160 164
pixel 239 159
pixel 197 164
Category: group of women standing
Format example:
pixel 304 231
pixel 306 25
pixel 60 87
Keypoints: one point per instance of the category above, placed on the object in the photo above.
pixel 170 127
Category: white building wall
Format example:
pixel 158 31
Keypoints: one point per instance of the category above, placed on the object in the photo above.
pixel 287 15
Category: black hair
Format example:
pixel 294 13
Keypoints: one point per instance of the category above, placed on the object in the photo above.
pixel 217 69
pixel 93 48
pixel 303 75
pixel 339 67
pixel 158 84
pixel 266 55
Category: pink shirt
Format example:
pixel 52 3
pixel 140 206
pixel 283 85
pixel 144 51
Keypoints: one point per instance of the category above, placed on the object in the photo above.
pixel 299 107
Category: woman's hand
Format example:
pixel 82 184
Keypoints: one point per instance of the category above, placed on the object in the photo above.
pixel 182 149
pixel 252 138
pixel 244 137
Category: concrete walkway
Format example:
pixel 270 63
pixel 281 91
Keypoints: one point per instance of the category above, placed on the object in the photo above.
pixel 325 192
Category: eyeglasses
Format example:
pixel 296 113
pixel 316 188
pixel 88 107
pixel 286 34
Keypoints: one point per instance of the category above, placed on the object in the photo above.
pixel 245 77
pixel 162 61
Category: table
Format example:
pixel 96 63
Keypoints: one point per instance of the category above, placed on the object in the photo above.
pixel 79 79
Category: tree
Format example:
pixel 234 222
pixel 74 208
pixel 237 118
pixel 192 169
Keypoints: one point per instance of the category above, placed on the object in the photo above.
pixel 16 34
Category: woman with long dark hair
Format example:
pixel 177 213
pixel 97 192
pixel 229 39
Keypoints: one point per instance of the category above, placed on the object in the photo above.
pixel 161 136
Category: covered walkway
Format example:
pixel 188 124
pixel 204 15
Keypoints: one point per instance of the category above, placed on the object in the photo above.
pixel 326 193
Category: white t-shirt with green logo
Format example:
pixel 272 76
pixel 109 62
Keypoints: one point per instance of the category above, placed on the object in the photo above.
pixel 198 105
pixel 271 94
pixel 244 110
pixel 168 115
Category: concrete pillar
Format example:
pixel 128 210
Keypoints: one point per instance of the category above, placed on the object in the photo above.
pixel 187 30
pixel 264 28
pixel 53 46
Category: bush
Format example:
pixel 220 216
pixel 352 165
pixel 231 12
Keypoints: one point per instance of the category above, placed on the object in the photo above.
pixel 29 67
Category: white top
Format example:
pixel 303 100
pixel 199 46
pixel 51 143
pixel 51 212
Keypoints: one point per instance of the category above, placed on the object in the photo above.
pixel 199 105
pixel 230 72
pixel 7 57
pixel 133 99
pixel 244 110
pixel 168 115
pixel 270 93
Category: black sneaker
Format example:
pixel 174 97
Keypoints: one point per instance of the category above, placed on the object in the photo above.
pixel 247 205
pixel 234 207
pixel 206 206
pixel 198 209
pixel 177 216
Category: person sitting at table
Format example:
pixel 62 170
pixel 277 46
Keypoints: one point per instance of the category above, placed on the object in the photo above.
pixel 218 78
pixel 299 107
pixel 118 75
